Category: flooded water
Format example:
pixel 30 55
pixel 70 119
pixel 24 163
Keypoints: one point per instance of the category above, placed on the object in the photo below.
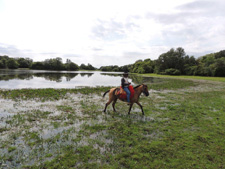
pixel 17 79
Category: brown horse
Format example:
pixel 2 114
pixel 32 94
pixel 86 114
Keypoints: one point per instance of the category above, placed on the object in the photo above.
pixel 137 92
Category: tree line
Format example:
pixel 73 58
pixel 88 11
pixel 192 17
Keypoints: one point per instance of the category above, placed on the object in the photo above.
pixel 173 62
pixel 48 64
pixel 176 62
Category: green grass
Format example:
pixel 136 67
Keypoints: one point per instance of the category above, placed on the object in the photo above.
pixel 183 127
pixel 47 94
pixel 219 79
pixel 172 84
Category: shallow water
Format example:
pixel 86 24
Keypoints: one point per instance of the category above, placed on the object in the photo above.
pixel 17 79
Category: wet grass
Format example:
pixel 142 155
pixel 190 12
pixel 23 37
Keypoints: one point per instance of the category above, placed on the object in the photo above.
pixel 183 127
pixel 57 94
pixel 47 94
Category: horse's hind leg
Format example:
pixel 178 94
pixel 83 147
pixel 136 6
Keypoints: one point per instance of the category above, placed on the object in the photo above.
pixel 111 98
pixel 106 105
pixel 113 105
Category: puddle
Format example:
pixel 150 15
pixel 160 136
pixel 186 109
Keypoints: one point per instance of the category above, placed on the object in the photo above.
pixel 52 132
pixel 4 116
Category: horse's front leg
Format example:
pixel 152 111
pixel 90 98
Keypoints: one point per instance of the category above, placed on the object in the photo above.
pixel 141 108
pixel 131 104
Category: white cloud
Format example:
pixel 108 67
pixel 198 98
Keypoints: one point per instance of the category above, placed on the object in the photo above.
pixel 109 32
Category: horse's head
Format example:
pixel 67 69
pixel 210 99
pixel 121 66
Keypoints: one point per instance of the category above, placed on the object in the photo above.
pixel 145 90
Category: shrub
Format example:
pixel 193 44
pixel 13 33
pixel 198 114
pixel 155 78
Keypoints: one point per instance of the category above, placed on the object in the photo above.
pixel 172 71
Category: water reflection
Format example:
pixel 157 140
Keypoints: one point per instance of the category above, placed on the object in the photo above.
pixel 51 76
pixel 13 79
pixel 86 74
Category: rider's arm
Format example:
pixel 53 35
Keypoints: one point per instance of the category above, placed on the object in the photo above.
pixel 122 82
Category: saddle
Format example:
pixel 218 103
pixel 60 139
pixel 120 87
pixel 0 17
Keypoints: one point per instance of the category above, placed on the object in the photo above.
pixel 122 95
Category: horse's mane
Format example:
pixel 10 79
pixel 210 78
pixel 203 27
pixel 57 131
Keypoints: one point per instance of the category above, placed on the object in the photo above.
pixel 137 86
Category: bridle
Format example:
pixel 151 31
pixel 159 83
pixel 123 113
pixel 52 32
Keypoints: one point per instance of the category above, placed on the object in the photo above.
pixel 144 90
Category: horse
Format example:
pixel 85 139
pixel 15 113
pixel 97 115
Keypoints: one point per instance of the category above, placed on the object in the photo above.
pixel 135 99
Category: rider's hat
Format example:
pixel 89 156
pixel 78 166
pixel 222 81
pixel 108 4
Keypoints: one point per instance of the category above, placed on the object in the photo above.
pixel 125 73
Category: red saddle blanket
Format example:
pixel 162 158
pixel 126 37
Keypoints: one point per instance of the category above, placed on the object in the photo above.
pixel 123 95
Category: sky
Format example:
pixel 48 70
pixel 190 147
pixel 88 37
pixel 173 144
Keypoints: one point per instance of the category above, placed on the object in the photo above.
pixel 110 32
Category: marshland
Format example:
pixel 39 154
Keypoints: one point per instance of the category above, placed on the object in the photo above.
pixel 59 58
pixel 59 127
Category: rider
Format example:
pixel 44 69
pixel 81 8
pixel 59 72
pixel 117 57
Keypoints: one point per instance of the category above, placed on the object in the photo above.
pixel 125 85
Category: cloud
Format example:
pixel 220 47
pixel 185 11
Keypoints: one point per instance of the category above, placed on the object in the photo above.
pixel 197 26
pixel 11 50
pixel 110 30
pixel 189 12
pixel 135 55
pixel 118 32
pixel 97 49
pixel 71 55
pixel 205 8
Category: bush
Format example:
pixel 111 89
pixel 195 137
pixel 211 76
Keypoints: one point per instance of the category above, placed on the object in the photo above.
pixel 172 71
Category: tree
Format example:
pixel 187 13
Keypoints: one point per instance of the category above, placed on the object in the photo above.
pixel 219 67
pixel 37 65
pixel 54 64
pixel 126 68
pixel 3 60
pixel 140 66
pixel 83 66
pixel 171 59
pixel 2 64
pixel 88 67
pixel 24 62
pixel 71 66
pixel 220 54
pixel 12 63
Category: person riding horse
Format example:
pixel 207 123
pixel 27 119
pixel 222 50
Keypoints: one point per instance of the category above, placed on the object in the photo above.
pixel 125 85
pixel 115 93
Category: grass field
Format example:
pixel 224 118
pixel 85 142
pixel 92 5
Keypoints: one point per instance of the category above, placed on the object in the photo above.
pixel 183 127
pixel 219 79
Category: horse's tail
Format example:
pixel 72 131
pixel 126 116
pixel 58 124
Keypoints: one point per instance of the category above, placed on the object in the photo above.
pixel 105 93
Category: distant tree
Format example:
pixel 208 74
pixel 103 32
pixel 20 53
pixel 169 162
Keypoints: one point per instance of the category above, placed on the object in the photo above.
pixel 87 67
pixel 140 66
pixel 189 63
pixel 54 64
pixel 83 66
pixel 126 68
pixel 219 67
pixel 220 54
pixel 38 66
pixel 12 63
pixel 171 59
pixel 3 60
pixel 90 67
pixel 106 68
pixel 24 62
pixel 71 66
pixel 2 64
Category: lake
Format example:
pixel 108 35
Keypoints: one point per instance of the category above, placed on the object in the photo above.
pixel 19 78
